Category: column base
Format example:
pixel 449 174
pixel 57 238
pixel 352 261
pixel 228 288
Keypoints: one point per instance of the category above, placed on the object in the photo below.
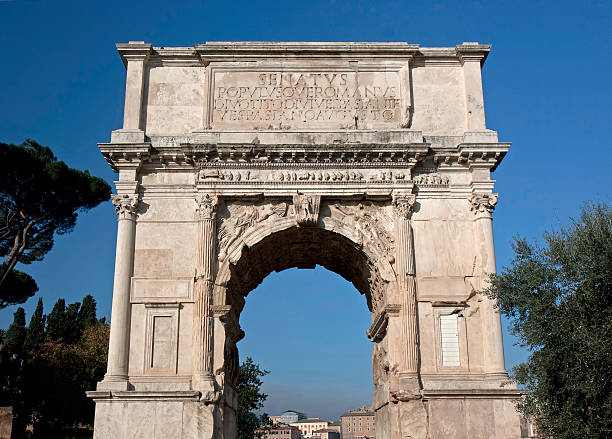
pixel 114 383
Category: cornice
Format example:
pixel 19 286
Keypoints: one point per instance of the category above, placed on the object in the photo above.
pixel 224 50
pixel 134 50
pixel 125 155
pixel 304 153
pixel 220 51
pixel 473 51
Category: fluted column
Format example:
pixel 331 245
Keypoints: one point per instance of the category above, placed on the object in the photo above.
pixel 483 205
pixel 404 263
pixel 204 281
pixel 116 377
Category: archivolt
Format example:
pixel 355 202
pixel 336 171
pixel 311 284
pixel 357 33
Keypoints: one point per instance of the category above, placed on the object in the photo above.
pixel 279 244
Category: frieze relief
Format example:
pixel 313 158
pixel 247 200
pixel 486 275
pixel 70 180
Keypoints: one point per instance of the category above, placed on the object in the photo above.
pixel 431 179
pixel 210 175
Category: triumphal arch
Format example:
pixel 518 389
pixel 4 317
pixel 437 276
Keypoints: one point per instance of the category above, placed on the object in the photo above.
pixel 370 159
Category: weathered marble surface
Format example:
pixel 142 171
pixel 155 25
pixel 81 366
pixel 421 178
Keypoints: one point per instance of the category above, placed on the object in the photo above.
pixel 237 159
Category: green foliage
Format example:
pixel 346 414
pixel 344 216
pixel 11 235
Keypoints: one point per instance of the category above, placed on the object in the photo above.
pixel 250 398
pixel 56 321
pixel 559 298
pixel 35 334
pixel 16 288
pixel 46 385
pixel 39 196
pixel 15 335
pixel 87 313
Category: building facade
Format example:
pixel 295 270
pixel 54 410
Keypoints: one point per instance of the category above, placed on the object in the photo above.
pixel 358 423
pixel 309 425
pixel 326 433
pixel 279 431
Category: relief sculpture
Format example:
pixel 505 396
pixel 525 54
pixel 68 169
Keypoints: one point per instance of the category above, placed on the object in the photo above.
pixel 241 218
pixel 368 220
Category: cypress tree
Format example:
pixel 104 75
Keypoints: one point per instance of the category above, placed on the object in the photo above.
pixel 73 328
pixel 35 333
pixel 56 321
pixel 15 335
pixel 87 314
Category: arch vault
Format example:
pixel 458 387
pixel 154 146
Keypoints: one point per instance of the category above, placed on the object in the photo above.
pixel 238 159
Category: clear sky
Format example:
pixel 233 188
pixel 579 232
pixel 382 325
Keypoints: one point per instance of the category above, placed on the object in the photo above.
pixel 547 90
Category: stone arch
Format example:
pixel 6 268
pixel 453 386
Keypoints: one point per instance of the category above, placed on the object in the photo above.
pixel 257 239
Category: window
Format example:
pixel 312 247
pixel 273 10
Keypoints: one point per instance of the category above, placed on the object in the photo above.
pixel 449 340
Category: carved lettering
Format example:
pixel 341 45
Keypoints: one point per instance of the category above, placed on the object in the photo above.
pixel 297 98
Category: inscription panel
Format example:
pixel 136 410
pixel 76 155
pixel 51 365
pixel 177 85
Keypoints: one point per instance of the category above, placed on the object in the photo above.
pixel 300 99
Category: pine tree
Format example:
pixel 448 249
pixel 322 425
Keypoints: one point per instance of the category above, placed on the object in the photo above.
pixel 15 335
pixel 87 314
pixel 56 321
pixel 35 333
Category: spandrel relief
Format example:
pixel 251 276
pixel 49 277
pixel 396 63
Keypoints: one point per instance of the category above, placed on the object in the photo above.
pixel 237 218
pixel 371 221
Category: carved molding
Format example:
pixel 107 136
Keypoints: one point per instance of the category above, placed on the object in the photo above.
pixel 483 203
pixel 126 205
pixel 306 209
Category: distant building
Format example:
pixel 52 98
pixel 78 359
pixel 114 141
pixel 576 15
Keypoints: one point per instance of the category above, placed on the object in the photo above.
pixel 336 426
pixel 278 431
pixel 359 423
pixel 291 416
pixel 309 425
pixel 274 419
pixel 326 433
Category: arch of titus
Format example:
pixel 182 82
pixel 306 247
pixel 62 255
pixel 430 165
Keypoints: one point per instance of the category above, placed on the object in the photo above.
pixel 238 159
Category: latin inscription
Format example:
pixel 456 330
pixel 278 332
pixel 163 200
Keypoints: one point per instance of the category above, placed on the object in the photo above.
pixel 277 99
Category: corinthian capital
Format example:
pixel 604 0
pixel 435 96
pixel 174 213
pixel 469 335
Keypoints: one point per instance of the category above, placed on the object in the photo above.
pixel 125 205
pixel 404 204
pixel 483 203
pixel 207 206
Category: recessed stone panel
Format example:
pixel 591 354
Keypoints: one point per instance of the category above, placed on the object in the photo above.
pixel 304 97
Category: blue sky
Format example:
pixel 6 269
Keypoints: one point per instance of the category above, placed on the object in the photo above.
pixel 547 90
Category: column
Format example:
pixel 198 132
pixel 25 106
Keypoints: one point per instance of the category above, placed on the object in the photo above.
pixel 404 263
pixel 203 289
pixel 483 205
pixel 116 377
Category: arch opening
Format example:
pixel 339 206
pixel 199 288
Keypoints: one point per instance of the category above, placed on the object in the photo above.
pixel 303 247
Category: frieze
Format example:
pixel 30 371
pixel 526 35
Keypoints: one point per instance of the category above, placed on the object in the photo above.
pixel 431 179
